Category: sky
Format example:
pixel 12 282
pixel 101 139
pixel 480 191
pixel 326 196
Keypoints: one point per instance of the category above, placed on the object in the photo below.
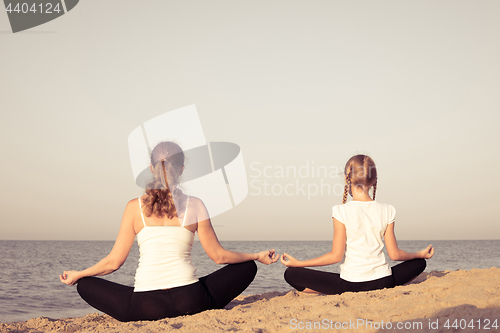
pixel 298 85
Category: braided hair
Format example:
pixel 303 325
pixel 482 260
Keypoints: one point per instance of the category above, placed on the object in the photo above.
pixel 347 187
pixel 360 170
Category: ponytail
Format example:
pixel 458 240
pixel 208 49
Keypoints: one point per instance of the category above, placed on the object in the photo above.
pixel 159 200
pixel 164 174
pixel 168 161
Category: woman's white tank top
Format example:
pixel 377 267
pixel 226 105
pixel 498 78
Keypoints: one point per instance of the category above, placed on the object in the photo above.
pixel 165 256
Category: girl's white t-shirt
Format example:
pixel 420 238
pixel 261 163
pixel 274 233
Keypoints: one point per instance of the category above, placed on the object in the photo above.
pixel 365 223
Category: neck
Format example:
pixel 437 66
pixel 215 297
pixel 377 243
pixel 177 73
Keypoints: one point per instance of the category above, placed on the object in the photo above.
pixel 360 193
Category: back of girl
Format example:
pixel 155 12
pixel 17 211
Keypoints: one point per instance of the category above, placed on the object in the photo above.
pixel 361 227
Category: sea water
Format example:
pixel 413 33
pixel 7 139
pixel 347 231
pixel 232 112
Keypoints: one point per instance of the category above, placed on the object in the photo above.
pixel 29 270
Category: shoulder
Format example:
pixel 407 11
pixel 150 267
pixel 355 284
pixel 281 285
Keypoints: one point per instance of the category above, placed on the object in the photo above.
pixel 387 206
pixel 338 212
pixel 337 207
pixel 343 207
pixel 135 201
pixel 132 211
pixel 391 207
pixel 384 205
pixel 392 213
pixel 132 204
pixel 132 207
pixel 199 207
pixel 195 202
pixel 389 210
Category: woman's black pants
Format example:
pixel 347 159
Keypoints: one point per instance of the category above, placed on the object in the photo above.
pixel 213 291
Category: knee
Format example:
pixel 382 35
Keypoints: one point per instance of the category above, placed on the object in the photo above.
pixel 422 264
pixel 417 266
pixel 251 268
pixel 292 276
pixel 290 273
pixel 246 269
pixel 80 285
pixel 83 285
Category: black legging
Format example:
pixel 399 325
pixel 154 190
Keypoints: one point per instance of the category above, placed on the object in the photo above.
pixel 331 283
pixel 213 291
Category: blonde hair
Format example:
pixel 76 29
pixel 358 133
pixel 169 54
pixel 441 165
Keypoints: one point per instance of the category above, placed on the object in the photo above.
pixel 360 170
pixel 167 159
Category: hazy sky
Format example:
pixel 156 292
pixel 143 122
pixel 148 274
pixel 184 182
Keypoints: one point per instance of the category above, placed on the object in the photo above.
pixel 296 84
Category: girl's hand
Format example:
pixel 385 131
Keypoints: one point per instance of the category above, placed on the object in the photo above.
pixel 267 257
pixel 289 261
pixel 70 277
pixel 426 253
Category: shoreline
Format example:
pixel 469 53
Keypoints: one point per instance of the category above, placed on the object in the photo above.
pixel 472 298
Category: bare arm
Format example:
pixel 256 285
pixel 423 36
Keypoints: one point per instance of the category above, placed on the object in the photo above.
pixel 396 254
pixel 334 256
pixel 115 259
pixel 217 253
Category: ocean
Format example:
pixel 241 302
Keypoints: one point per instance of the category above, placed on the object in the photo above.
pixel 30 286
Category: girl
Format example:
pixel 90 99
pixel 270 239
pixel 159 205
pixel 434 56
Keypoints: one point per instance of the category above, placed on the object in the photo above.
pixel 359 228
pixel 165 281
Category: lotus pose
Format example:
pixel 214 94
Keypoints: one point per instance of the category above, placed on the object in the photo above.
pixel 165 220
pixel 361 227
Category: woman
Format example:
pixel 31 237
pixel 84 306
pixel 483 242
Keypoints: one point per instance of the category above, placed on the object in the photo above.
pixel 165 280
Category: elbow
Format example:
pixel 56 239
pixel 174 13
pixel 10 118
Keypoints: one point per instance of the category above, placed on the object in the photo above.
pixel 219 258
pixel 114 265
pixel 337 257
pixel 394 256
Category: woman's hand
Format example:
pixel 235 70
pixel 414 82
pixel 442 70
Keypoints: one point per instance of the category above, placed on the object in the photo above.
pixel 426 253
pixel 289 261
pixel 70 277
pixel 267 257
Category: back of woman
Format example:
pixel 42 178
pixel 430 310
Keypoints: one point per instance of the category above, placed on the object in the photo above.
pixel 165 255
pixel 165 220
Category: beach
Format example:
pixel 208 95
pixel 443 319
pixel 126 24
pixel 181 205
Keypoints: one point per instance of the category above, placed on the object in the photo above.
pixel 438 301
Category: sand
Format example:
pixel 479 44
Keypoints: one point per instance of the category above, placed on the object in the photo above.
pixel 464 298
